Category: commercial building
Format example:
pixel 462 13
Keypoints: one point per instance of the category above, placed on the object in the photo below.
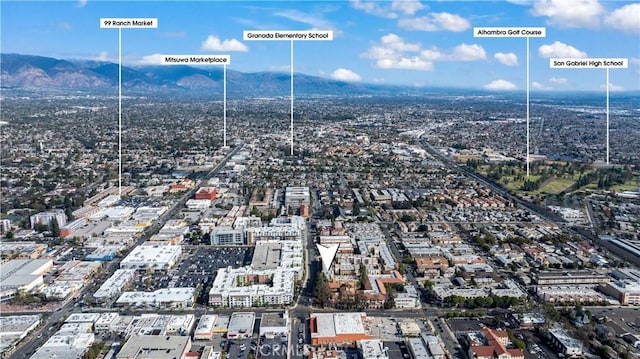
pixel 113 286
pixel 274 323
pixel 206 193
pixel 626 292
pixel 71 341
pixel 226 235
pixel 152 255
pixel 205 328
pixel 178 298
pixel 22 275
pixel 180 324
pixel 245 287
pixel 295 197
pixel 103 254
pixel 198 204
pixel 241 325
pixel 118 214
pixel 494 345
pixel 570 294
pixel 273 233
pixel 106 322
pixel 625 287
pixel 565 343
pixel 340 328
pixel 155 347
pixel 559 277
pixel 15 328
pixel 372 349
pixel 45 218
pixel 22 250
pixel 425 347
pixel 68 229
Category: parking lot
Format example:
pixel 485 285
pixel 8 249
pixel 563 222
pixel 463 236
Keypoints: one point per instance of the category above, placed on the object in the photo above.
pixel 198 267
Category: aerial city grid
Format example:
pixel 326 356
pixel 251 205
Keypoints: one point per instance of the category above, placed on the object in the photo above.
pixel 349 179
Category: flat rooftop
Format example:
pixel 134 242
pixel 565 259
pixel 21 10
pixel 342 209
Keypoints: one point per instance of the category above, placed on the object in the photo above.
pixel 266 256
pixel 273 320
pixel 154 347
pixel 242 323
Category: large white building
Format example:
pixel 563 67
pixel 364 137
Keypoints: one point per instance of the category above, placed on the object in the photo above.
pixel 205 328
pixel 15 328
pixel 45 218
pixel 113 286
pixel 245 287
pixel 179 298
pixel 71 341
pixel 565 343
pixel 152 255
pixel 295 197
pixel 22 275
pixel 226 235
pixel 156 347
pixel 270 280
pixel 372 349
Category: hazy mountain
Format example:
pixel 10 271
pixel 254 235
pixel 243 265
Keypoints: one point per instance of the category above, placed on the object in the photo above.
pixel 45 73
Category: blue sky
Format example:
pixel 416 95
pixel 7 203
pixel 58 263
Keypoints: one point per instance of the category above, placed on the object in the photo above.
pixel 406 42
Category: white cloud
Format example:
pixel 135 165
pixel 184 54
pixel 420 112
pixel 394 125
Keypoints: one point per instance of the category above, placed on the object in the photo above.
pixel 462 52
pixel 419 84
pixel 558 80
pixel 433 54
pixel 405 63
pixel 436 22
pixel 213 43
pixel 280 68
pixel 626 18
pixel 612 87
pixel 394 53
pixel 64 26
pixel 559 49
pixel 103 56
pixel 81 3
pixel 408 7
pixel 310 19
pixel 500 85
pixel 569 13
pixel 345 75
pixel 378 80
pixel 538 86
pixel 466 52
pixel 395 42
pixel 520 2
pixel 509 59
pixel 154 59
pixel 373 8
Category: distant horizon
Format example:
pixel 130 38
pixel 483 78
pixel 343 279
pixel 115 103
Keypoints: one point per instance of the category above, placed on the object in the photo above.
pixel 547 93
pixel 406 43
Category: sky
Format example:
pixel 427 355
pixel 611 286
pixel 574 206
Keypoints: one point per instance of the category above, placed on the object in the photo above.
pixel 399 42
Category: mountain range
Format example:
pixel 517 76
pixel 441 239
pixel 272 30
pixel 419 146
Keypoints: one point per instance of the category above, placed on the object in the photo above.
pixel 45 73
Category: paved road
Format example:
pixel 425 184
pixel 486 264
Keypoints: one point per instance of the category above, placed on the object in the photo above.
pixel 33 342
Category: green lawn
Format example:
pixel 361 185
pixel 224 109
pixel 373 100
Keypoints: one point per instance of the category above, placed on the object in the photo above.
pixel 627 186
pixel 557 185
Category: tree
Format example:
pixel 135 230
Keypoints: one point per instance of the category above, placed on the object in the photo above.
pixel 363 275
pixel 9 235
pixel 519 343
pixel 322 291
pixel 54 226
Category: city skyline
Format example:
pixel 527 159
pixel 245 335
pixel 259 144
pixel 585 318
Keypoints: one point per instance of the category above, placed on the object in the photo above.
pixel 391 42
